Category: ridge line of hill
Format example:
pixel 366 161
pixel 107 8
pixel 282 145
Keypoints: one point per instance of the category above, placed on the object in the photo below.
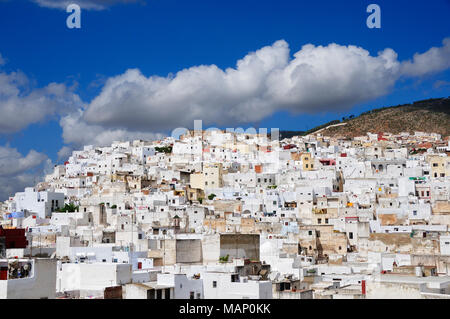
pixel 430 115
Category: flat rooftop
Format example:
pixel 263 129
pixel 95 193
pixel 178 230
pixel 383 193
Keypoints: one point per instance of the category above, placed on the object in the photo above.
pixel 431 281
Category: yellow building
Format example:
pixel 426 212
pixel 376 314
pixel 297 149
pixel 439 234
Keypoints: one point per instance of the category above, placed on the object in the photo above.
pixel 197 181
pixel 307 161
pixel 440 166
pixel 210 178
pixel 213 176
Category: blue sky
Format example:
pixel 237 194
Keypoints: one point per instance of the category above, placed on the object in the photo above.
pixel 164 37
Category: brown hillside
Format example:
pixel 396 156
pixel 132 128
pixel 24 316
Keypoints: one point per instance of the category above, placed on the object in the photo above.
pixel 426 116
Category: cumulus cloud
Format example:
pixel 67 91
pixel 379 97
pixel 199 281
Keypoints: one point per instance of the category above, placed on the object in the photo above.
pixel 64 152
pixel 84 4
pixel 79 133
pixel 316 78
pixel 333 77
pixel 21 104
pixel 18 171
pixel 434 60
pixel 134 101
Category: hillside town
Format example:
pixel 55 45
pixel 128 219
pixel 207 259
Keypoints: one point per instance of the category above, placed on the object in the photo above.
pixel 235 215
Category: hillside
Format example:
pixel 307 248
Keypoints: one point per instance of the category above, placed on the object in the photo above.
pixel 431 115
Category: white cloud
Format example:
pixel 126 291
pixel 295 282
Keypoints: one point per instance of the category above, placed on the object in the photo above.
pixel 2 60
pixel 21 104
pixel 18 171
pixel 65 152
pixel 262 82
pixel 331 78
pixel 316 78
pixel 434 60
pixel 135 102
pixel 79 133
pixel 84 4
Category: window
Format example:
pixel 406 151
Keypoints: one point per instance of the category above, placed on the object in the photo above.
pixel 214 284
pixel 350 235
pixel 192 295
pixel 319 220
